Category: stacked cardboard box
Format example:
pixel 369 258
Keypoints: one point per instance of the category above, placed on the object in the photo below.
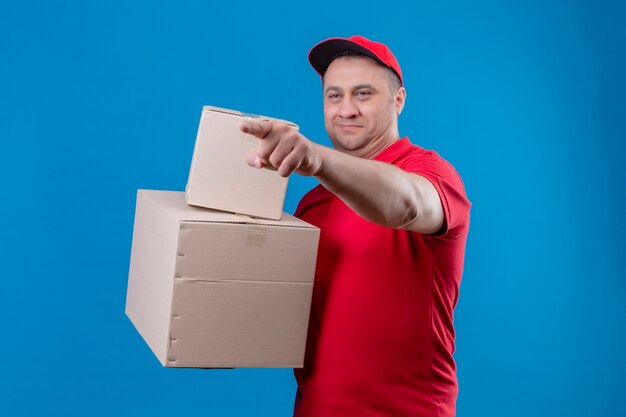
pixel 219 177
pixel 225 286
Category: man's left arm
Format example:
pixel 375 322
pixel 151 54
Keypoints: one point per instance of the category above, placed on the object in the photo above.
pixel 379 192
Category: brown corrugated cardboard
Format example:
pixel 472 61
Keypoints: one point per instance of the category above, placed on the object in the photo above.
pixel 219 177
pixel 211 289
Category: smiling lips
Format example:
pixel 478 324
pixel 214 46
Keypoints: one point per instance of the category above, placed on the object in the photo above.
pixel 347 126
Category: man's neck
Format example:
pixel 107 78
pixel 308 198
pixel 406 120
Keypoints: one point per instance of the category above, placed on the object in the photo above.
pixel 377 146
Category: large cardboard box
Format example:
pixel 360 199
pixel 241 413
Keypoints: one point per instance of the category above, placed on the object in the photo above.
pixel 219 177
pixel 211 289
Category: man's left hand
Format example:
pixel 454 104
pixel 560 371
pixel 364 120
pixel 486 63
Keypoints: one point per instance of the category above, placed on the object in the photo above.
pixel 282 148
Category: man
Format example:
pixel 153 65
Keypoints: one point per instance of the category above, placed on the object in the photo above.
pixel 394 220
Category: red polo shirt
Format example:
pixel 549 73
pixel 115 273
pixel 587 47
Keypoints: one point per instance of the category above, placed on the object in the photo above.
pixel 381 332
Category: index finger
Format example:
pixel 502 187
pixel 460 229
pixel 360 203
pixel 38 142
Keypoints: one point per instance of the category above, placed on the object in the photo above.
pixel 258 128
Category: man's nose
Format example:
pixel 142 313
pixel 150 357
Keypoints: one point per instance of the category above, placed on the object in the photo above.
pixel 347 109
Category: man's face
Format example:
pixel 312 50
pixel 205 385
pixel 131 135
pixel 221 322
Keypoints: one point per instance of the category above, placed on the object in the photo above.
pixel 360 110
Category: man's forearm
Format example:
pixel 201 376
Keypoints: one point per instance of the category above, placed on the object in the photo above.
pixel 381 192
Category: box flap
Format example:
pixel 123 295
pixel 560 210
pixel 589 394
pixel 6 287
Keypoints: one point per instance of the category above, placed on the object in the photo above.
pixel 174 203
pixel 247 115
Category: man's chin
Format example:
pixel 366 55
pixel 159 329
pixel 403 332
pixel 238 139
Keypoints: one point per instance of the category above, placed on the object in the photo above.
pixel 348 144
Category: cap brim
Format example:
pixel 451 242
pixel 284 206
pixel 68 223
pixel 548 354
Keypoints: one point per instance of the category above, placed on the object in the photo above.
pixel 322 54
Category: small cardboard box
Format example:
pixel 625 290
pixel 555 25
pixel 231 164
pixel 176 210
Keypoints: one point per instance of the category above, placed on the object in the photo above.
pixel 219 177
pixel 210 289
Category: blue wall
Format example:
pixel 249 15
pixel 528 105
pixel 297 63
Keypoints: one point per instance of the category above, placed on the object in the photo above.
pixel 526 99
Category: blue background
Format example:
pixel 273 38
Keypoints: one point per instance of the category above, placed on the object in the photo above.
pixel 525 98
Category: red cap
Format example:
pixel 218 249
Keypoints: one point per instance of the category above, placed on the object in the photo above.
pixel 322 54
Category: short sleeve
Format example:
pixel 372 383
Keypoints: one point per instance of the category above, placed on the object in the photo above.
pixel 448 184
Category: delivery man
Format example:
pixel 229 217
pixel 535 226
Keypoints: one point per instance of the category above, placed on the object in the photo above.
pixel 394 219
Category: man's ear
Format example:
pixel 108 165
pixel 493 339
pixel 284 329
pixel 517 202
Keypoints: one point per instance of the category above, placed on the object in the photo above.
pixel 399 100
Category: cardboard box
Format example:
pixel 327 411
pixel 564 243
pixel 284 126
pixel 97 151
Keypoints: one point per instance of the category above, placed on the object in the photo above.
pixel 219 177
pixel 210 289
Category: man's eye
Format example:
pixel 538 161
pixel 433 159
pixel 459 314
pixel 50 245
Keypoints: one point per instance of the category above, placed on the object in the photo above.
pixel 333 96
pixel 362 93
